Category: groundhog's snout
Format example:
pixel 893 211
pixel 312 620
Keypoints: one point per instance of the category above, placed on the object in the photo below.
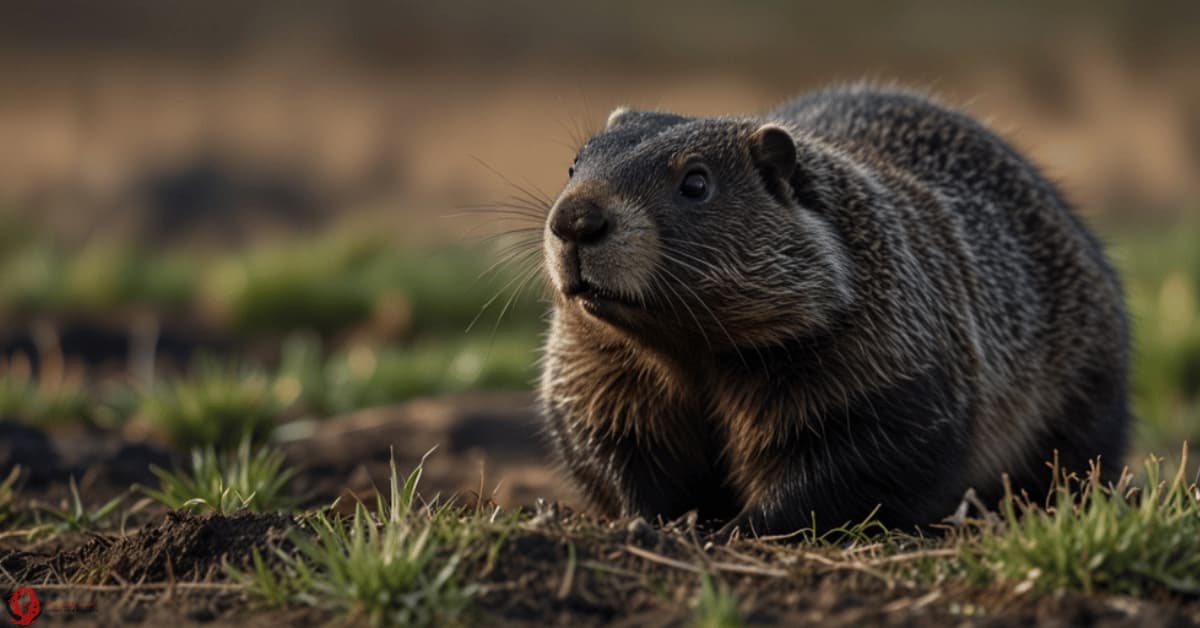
pixel 580 225
pixel 598 248
pixel 579 221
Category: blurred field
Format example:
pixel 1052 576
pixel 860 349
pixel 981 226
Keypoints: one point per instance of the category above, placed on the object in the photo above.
pixel 309 328
pixel 1162 284
pixel 332 324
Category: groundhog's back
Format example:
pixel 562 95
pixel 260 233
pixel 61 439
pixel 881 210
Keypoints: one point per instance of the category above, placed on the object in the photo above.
pixel 1045 306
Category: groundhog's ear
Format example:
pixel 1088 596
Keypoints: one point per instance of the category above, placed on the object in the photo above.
pixel 624 116
pixel 774 149
pixel 618 115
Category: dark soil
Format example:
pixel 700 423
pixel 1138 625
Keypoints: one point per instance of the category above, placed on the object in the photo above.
pixel 612 585
pixel 177 551
pixel 534 582
pixel 181 547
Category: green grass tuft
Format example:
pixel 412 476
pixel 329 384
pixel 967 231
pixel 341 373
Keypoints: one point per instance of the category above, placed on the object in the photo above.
pixel 1097 538
pixel 394 565
pixel 226 482
pixel 77 518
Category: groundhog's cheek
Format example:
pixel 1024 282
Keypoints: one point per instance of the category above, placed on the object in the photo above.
pixel 623 263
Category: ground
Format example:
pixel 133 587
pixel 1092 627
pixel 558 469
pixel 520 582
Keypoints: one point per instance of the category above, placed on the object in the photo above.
pixel 559 565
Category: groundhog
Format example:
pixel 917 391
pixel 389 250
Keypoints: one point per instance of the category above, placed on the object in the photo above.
pixel 862 301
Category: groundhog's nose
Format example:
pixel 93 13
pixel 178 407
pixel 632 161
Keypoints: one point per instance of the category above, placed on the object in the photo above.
pixel 580 221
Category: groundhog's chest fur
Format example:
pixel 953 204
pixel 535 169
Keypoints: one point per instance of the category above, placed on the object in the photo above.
pixel 861 299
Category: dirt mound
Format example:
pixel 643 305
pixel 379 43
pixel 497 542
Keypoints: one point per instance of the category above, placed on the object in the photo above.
pixel 183 547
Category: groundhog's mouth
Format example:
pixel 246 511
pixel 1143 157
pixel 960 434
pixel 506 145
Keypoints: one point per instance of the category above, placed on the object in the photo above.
pixel 598 301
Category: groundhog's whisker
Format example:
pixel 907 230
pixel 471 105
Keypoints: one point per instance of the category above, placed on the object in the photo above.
pixel 683 302
pixel 690 243
pixel 523 249
pixel 705 264
pixel 500 292
pixel 535 196
pixel 537 205
pixel 656 280
pixel 531 241
pixel 711 314
pixel 529 274
pixel 536 237
pixel 516 209
pixel 669 252
pixel 472 232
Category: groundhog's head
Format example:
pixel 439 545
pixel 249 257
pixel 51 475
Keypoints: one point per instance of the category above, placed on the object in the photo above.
pixel 695 228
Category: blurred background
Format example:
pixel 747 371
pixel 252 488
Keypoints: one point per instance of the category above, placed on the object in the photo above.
pixel 228 216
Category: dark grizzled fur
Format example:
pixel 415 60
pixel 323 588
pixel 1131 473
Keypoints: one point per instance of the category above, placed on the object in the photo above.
pixel 910 311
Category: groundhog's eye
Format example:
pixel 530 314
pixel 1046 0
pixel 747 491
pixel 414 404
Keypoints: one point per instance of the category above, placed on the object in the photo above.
pixel 571 168
pixel 694 185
